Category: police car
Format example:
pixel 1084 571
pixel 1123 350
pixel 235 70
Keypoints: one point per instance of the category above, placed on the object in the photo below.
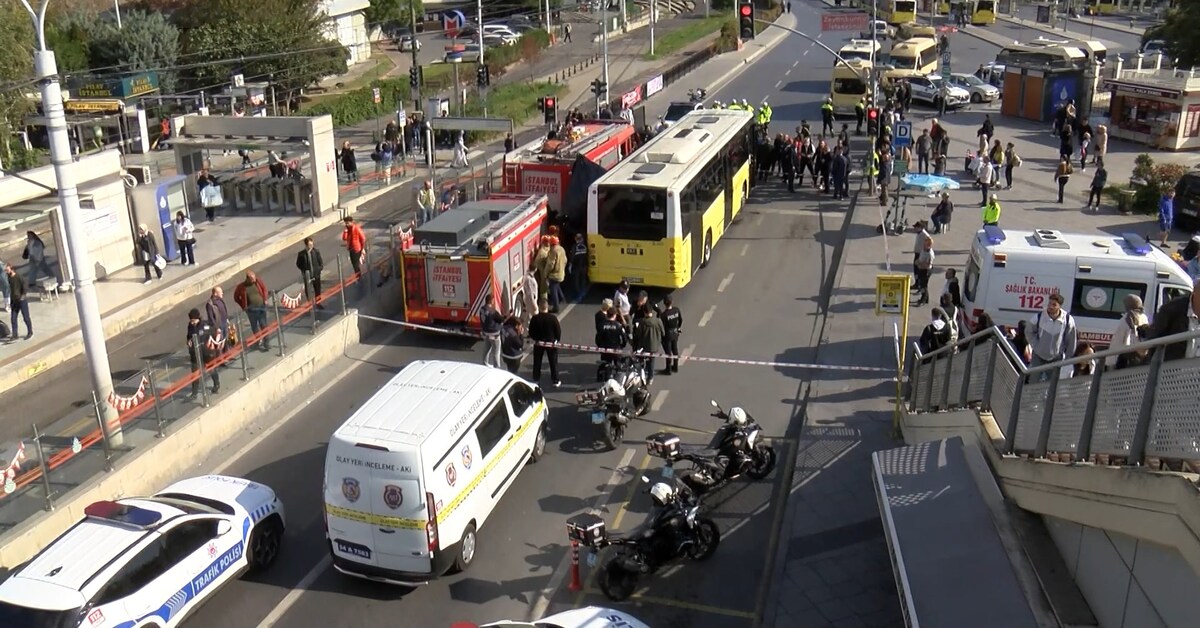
pixel 147 562
pixel 586 617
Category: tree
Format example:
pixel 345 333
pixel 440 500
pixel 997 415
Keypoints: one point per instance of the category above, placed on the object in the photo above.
pixel 16 70
pixel 281 41
pixel 1178 31
pixel 145 41
pixel 70 41
pixel 388 13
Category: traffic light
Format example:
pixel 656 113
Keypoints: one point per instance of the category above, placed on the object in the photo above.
pixel 598 87
pixel 414 77
pixel 872 121
pixel 549 110
pixel 746 19
pixel 482 78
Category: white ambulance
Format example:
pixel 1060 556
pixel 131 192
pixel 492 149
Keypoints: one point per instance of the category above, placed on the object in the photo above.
pixel 415 472
pixel 1010 275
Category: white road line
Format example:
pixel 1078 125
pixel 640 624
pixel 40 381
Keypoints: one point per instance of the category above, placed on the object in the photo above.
pixel 725 283
pixel 787 72
pixel 758 220
pixel 795 63
pixel 659 400
pixel 687 353
pixel 805 54
pixel 293 596
pixel 707 316
pixel 539 605
pixel 745 249
pixel 778 83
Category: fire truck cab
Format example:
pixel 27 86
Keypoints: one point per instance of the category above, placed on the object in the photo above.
pixel 545 166
pixel 468 252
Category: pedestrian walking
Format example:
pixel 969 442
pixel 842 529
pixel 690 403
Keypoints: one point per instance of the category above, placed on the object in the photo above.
pixel 251 296
pixel 491 323
pixel 185 235
pixel 647 337
pixel 147 248
pixel 512 345
pixel 1099 180
pixel 1085 141
pixel 1100 143
pixel 35 253
pixel 426 202
pixel 918 244
pixel 545 329
pixel 356 243
pixel 349 162
pixel 209 193
pixel 310 264
pixel 942 214
pixel 203 339
pixel 996 156
pixel 991 212
pixel 556 273
pixel 529 295
pixel 386 151
pixel 827 116
pixel 567 32
pixel 460 152
pixel 1062 175
pixel 1051 334
pixel 924 148
pixel 509 144
pixel 1166 216
pixel 1011 160
pixel 18 304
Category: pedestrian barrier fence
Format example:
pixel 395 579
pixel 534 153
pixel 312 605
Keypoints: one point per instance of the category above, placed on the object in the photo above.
pixel 72 451
pixel 1135 416
pixel 580 348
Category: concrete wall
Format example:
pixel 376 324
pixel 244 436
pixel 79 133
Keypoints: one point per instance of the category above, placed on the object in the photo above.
pixel 188 444
pixel 1128 582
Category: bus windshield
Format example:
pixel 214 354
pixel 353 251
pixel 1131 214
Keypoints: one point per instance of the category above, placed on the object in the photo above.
pixel 985 5
pixel 852 86
pixel 904 63
pixel 906 6
pixel 852 55
pixel 631 213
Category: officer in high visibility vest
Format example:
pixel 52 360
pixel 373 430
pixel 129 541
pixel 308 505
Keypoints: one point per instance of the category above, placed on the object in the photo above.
pixel 746 106
pixel 764 114
pixel 873 168
pixel 827 116
pixel 733 105
pixel 991 211
pixel 860 113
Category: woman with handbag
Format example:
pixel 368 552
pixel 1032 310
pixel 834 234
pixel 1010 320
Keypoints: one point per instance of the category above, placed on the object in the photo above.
pixel 147 250
pixel 185 234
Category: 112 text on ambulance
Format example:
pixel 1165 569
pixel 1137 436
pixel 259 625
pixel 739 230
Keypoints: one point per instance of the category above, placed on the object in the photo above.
pixel 1030 295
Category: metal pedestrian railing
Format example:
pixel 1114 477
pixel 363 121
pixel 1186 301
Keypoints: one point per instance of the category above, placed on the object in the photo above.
pixel 1146 415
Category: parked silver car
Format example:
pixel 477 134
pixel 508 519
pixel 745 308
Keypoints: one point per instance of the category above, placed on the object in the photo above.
pixel 979 90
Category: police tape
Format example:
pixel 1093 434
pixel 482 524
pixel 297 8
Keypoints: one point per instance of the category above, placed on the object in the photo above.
pixel 600 350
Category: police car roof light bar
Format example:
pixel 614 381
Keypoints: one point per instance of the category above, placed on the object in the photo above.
pixel 993 234
pixel 1137 244
pixel 123 513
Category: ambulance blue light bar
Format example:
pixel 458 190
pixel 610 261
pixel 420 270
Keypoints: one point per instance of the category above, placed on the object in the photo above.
pixel 1137 244
pixel 993 234
pixel 122 513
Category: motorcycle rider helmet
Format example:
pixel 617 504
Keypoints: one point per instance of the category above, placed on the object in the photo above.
pixel 737 416
pixel 662 493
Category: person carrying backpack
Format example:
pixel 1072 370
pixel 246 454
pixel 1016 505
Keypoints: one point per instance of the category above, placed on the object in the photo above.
pixel 936 334
pixel 1052 334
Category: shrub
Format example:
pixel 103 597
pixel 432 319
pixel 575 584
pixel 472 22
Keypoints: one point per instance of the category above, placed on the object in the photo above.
pixel 1157 178
pixel 356 106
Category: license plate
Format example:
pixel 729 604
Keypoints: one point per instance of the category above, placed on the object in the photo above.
pixel 630 251
pixel 591 559
pixel 668 472
pixel 598 417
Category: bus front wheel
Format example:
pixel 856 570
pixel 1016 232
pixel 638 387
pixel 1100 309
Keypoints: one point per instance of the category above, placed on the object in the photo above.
pixel 707 255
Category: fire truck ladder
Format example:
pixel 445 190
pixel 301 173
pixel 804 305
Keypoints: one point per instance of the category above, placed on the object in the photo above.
pixel 506 220
pixel 512 174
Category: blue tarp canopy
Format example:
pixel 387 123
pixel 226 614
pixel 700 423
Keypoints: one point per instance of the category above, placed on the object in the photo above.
pixel 927 183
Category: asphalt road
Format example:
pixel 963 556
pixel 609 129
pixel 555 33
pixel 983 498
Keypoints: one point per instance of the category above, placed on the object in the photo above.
pixel 741 306
pixel 1116 41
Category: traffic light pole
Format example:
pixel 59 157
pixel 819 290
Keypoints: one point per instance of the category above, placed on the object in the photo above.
pixel 604 44
pixel 416 83
pixel 482 61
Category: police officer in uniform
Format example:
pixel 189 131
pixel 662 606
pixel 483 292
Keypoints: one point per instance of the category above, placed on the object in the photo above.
pixel 827 116
pixel 860 114
pixel 610 335
pixel 672 320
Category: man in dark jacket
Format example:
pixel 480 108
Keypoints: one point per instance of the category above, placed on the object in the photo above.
pixel 787 164
pixel 647 337
pixel 545 328
pixel 672 319
pixel 491 324
pixel 610 335
pixel 204 343
pixel 512 345
pixel 839 174
pixel 18 304
pixel 310 263
pixel 1177 316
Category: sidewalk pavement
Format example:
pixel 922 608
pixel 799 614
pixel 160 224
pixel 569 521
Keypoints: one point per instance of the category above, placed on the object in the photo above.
pixel 1074 32
pixel 224 250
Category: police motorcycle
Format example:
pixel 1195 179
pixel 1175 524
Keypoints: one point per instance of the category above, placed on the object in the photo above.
pixel 697 95
pixel 736 449
pixel 623 396
pixel 673 530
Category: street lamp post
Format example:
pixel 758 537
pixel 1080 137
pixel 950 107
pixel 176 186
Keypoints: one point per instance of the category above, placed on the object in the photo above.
pixel 604 42
pixel 83 274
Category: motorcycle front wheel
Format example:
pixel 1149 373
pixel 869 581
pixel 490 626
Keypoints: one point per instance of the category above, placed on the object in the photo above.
pixel 707 538
pixel 763 462
pixel 615 582
pixel 614 434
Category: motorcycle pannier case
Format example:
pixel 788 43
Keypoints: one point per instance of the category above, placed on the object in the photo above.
pixel 587 529
pixel 663 445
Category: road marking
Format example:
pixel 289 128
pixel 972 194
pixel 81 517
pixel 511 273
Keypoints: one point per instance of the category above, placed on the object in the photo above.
pixel 691 606
pixel 628 496
pixel 540 603
pixel 795 63
pixel 659 400
pixel 745 249
pixel 787 72
pixel 805 53
pixel 725 283
pixel 778 83
pixel 707 316
pixel 293 596
pixel 758 219
pixel 687 353
pixel 616 522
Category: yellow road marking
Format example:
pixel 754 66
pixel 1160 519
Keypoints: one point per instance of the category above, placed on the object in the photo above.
pixel 616 525
pixel 691 606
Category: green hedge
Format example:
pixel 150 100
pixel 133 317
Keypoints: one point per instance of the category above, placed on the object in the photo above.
pixel 528 48
pixel 359 105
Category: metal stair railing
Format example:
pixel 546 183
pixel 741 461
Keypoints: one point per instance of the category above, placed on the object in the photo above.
pixel 1140 415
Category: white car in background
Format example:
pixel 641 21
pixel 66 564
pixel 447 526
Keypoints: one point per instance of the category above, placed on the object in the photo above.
pixel 928 89
pixel 979 90
pixel 147 561
pixel 586 617
pixel 678 109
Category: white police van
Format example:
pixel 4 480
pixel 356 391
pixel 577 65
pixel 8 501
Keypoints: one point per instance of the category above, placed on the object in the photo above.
pixel 1011 274
pixel 415 472
pixel 147 562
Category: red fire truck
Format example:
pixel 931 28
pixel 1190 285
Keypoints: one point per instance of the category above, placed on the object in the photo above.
pixel 468 252
pixel 544 166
